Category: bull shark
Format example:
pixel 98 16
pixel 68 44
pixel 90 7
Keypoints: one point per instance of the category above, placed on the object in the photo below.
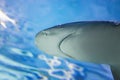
pixel 87 41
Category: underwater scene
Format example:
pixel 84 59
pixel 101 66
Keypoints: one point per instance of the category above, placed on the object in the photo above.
pixel 21 20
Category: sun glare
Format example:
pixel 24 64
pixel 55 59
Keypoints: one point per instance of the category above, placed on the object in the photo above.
pixel 5 18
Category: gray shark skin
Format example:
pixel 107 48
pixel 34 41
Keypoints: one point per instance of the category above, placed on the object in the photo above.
pixel 89 41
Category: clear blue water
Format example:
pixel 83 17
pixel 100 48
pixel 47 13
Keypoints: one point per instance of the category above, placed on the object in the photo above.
pixel 20 59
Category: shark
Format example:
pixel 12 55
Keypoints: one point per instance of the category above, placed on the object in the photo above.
pixel 87 41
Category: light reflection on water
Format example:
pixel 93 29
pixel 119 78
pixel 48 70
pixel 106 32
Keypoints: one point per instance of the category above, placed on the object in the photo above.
pixel 20 60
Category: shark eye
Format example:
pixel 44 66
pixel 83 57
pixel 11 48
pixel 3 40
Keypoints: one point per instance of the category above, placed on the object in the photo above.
pixel 52 32
pixel 48 33
pixel 45 33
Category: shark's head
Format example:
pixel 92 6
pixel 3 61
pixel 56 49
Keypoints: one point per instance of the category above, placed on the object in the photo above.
pixel 49 39
pixel 97 42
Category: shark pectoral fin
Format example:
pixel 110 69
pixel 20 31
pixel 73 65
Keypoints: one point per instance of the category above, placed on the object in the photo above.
pixel 116 72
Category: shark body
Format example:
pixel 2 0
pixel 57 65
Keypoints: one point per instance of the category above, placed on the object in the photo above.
pixel 89 41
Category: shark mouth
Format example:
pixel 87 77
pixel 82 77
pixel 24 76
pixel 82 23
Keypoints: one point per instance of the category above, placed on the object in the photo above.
pixel 60 47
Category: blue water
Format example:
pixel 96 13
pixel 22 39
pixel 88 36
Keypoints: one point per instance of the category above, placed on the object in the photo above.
pixel 20 59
